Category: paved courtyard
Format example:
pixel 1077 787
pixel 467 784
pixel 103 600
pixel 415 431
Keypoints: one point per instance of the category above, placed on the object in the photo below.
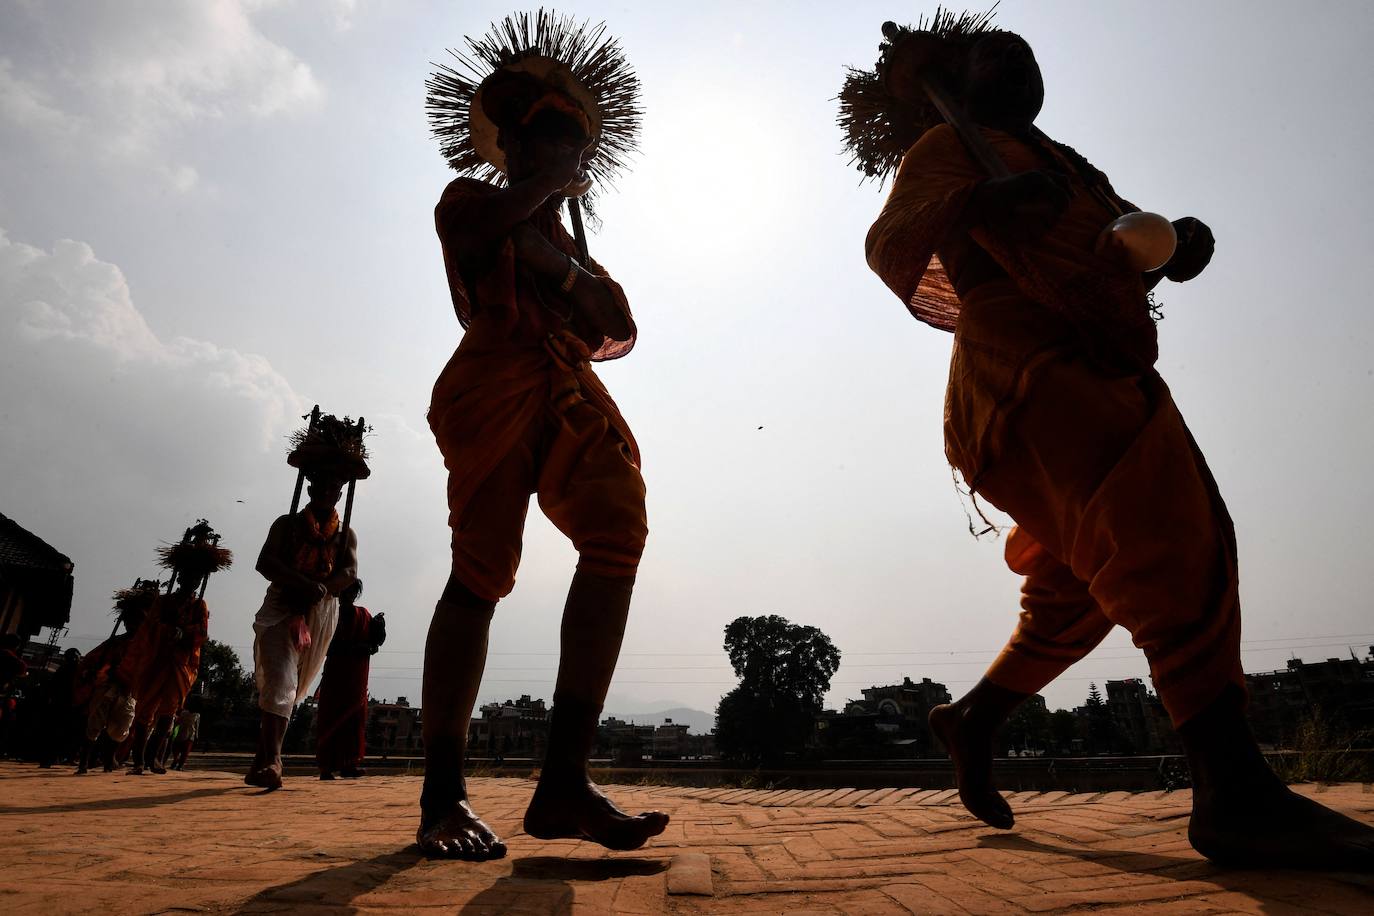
pixel 203 842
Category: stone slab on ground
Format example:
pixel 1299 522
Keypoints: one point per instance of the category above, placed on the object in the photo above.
pixel 199 841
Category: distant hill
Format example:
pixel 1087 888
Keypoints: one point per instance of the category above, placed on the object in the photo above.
pixel 697 722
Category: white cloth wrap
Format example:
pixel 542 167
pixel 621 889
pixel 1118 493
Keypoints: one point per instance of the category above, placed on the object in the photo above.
pixel 112 712
pixel 284 675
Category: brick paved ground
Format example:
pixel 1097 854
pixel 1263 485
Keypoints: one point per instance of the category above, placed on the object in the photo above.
pixel 201 841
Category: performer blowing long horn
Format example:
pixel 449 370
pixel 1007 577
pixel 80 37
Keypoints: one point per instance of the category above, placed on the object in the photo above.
pixel 541 111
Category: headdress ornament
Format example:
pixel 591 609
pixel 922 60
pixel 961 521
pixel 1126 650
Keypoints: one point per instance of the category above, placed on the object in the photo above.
pixel 878 126
pixel 330 446
pixel 527 63
pixel 197 555
pixel 136 597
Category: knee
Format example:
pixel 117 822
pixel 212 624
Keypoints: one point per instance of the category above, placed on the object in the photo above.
pixel 459 598
pixel 615 551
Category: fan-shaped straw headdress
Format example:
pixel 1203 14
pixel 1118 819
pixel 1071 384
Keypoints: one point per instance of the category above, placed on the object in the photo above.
pixel 879 127
pixel 197 555
pixel 136 597
pixel 579 69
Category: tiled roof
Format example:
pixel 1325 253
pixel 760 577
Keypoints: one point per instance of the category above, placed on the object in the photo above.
pixel 22 548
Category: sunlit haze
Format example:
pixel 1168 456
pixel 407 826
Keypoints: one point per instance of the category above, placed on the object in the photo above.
pixel 214 215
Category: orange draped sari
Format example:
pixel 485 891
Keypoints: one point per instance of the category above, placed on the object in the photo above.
pixel 1055 414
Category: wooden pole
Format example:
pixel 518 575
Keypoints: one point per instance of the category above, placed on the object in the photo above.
pixel 300 474
pixel 579 233
pixel 972 138
pixel 348 504
pixel 205 580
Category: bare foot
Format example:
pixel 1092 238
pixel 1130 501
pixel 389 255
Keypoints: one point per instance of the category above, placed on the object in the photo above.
pixel 268 777
pixel 970 747
pixel 1279 829
pixel 459 834
pixel 578 810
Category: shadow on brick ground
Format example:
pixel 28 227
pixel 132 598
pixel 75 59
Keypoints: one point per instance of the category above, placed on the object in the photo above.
pixel 120 804
pixel 335 887
pixel 541 885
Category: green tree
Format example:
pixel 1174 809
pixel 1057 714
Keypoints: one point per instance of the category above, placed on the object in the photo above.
pixel 225 694
pixel 784 671
pixel 1102 737
pixel 1063 730
pixel 1028 728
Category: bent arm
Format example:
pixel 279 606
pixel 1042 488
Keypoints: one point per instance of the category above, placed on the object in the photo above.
pixel 481 221
pixel 345 567
pixel 273 560
pixel 589 290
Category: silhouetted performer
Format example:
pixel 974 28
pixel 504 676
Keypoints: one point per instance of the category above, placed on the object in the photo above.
pixel 1056 415
pixel 341 721
pixel 308 560
pixel 518 410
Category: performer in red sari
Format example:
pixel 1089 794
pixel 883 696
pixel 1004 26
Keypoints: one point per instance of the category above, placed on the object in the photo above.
pixel 342 716
pixel 164 659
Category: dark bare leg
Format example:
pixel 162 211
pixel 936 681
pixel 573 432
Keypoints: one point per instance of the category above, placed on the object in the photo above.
pixel 967 728
pixel 139 749
pixel 266 771
pixel 566 804
pixel 455 654
pixel 1243 814
pixel 157 745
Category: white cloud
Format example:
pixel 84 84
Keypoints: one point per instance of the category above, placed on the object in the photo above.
pixel 130 84
pixel 75 353
pixel 116 439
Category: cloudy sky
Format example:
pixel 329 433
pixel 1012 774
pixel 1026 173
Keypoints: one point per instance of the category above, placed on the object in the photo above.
pixel 216 214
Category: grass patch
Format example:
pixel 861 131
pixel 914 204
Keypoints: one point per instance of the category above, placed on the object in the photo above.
pixel 1327 751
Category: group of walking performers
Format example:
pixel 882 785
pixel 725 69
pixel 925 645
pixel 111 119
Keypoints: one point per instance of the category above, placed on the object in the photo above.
pixel 1055 413
pixel 135 685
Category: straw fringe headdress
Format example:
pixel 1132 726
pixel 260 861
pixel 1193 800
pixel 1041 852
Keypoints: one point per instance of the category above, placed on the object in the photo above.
pixel 577 63
pixel 136 597
pixel 878 127
pixel 197 555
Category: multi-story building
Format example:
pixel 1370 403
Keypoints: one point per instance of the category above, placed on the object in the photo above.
pixel 394 729
pixel 1140 718
pixel 514 728
pixel 1341 688
pixel 670 741
pixel 889 721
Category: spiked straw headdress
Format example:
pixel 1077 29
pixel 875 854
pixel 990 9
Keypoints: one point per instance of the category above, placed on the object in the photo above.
pixel 136 597
pixel 332 447
pixel 527 62
pixel 878 126
pixel 197 555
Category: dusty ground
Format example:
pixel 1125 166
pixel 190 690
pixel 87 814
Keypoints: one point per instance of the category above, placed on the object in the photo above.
pixel 201 841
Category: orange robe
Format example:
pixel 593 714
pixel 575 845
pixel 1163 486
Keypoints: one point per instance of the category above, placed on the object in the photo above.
pixel 163 660
pixel 518 410
pixel 1055 414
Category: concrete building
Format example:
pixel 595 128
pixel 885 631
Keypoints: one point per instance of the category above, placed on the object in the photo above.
pixel 1140 718
pixel 513 728
pixel 394 729
pixel 890 721
pixel 1341 688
